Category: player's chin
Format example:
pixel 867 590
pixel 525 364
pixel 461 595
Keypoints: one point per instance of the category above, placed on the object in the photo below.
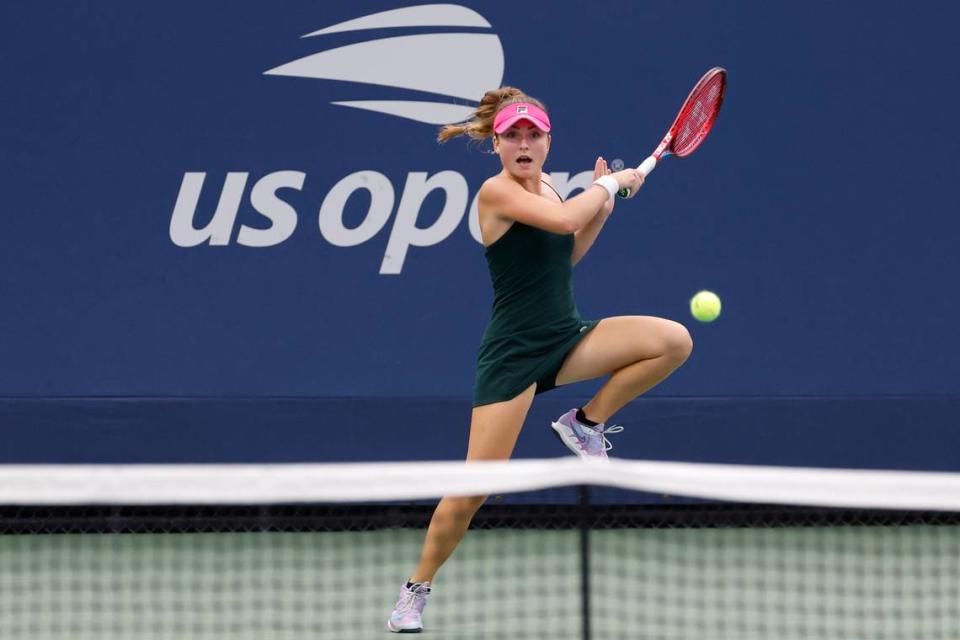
pixel 526 168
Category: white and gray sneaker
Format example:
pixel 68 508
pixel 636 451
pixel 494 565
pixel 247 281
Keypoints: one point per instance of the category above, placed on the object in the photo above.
pixel 407 616
pixel 587 442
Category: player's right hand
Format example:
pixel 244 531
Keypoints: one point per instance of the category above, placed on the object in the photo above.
pixel 629 179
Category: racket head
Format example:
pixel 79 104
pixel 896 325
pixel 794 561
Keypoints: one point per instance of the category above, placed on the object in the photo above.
pixel 698 113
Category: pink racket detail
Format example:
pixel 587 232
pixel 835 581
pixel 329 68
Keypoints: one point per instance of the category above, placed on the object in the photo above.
pixel 693 122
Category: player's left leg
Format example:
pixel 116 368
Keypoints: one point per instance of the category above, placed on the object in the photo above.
pixel 638 352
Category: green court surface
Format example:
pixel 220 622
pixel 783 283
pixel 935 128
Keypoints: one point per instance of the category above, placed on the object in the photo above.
pixel 781 583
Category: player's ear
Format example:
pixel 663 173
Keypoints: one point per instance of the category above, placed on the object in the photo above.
pixel 496 143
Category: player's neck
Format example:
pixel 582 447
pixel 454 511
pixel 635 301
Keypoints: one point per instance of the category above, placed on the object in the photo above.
pixel 530 183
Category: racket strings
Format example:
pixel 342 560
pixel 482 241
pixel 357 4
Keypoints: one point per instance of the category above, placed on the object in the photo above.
pixel 698 117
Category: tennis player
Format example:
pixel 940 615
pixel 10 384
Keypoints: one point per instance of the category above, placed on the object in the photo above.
pixel 536 339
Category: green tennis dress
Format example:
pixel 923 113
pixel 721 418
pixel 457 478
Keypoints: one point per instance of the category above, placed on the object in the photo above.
pixel 535 322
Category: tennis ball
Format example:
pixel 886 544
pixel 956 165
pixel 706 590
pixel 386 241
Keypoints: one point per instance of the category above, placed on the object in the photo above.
pixel 705 306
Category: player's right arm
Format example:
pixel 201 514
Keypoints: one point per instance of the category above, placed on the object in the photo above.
pixel 507 199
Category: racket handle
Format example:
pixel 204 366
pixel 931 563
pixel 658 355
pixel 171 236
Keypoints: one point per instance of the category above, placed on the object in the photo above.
pixel 645 168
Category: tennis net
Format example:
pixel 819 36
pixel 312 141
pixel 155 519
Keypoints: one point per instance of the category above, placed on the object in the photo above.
pixel 562 549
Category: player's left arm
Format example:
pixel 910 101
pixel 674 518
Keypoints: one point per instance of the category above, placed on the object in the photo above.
pixel 585 238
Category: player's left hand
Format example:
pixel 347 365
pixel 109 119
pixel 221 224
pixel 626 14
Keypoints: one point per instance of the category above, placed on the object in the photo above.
pixel 601 169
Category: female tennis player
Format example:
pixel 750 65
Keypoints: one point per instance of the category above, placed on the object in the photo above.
pixel 536 340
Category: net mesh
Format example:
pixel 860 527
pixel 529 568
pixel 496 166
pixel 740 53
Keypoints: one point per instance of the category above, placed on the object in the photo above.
pixel 546 561
pixel 698 114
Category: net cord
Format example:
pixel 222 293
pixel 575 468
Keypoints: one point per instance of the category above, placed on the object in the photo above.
pixel 139 484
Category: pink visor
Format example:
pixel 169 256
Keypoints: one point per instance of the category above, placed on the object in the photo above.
pixel 514 113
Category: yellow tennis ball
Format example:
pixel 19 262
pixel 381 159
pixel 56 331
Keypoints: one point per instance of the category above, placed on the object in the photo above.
pixel 705 306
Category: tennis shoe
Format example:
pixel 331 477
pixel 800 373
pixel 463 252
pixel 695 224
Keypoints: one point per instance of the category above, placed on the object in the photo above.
pixel 408 612
pixel 587 442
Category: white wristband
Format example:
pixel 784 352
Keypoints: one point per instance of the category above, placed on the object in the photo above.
pixel 609 183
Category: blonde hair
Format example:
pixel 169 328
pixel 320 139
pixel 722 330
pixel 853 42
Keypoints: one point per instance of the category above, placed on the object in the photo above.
pixel 480 126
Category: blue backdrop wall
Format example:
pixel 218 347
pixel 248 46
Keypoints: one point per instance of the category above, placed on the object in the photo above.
pixel 228 233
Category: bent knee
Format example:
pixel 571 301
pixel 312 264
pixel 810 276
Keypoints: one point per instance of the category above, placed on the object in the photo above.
pixel 678 345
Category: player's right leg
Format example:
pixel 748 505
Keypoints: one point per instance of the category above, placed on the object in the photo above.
pixel 493 433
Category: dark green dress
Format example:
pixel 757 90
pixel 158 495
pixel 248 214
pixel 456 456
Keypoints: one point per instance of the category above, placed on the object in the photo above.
pixel 535 322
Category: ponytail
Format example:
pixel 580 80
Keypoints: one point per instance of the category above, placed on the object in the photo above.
pixel 480 126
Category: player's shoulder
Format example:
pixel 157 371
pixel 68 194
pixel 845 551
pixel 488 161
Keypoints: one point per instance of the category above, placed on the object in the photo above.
pixel 495 187
pixel 546 178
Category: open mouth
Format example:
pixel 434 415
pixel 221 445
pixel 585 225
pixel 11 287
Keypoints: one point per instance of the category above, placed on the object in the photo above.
pixel 525 160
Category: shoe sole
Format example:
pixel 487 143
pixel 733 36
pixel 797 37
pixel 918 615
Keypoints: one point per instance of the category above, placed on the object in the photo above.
pixel 390 628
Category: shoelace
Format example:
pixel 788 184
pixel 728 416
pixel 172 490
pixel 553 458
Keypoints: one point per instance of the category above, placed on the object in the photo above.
pixel 603 434
pixel 602 431
pixel 408 599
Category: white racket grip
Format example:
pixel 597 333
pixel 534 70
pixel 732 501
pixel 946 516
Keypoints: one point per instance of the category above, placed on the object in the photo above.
pixel 647 166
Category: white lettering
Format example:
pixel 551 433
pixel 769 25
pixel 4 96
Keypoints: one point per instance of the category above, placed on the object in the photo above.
pixel 182 231
pixel 283 216
pixel 331 211
pixel 406 233
pixel 265 200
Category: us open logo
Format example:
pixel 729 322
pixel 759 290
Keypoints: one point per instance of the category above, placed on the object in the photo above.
pixel 447 65
pixel 448 68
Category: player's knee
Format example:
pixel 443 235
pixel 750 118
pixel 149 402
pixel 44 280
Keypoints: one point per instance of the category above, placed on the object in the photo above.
pixel 678 345
pixel 455 514
pixel 465 507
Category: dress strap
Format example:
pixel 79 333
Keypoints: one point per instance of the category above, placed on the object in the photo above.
pixel 552 189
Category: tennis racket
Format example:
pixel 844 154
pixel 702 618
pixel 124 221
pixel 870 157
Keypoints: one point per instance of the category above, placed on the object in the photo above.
pixel 692 124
